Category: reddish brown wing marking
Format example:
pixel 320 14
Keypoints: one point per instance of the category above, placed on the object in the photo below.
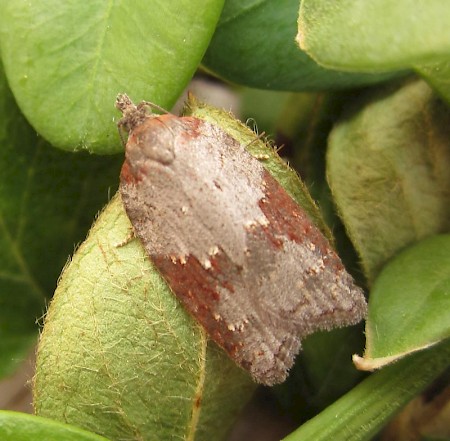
pixel 239 253
pixel 197 289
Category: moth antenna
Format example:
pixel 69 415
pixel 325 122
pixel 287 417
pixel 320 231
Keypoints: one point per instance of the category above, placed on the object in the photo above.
pixel 147 104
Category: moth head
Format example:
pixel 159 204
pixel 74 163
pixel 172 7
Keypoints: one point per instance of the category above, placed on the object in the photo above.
pixel 132 115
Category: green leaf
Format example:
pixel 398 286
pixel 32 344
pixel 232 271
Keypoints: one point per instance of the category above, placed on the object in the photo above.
pixel 254 45
pixel 67 61
pixel 374 35
pixel 409 305
pixel 120 356
pixel 387 167
pixel 48 199
pixel 362 412
pixel 15 426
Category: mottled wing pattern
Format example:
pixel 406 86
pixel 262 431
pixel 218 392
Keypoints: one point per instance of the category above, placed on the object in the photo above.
pixel 239 253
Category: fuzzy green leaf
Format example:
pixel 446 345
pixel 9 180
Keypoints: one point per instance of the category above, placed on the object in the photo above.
pixel 47 201
pixel 67 61
pixel 374 35
pixel 120 356
pixel 409 305
pixel 254 45
pixel 388 164
pixel 15 426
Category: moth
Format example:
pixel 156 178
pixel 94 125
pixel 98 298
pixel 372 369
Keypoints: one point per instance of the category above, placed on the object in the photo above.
pixel 241 256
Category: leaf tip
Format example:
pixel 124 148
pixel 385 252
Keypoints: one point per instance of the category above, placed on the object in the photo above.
pixel 367 363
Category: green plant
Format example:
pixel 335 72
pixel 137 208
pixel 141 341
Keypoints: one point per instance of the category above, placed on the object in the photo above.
pixel 362 102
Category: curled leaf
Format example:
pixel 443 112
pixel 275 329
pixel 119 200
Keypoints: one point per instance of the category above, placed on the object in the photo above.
pixel 118 354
